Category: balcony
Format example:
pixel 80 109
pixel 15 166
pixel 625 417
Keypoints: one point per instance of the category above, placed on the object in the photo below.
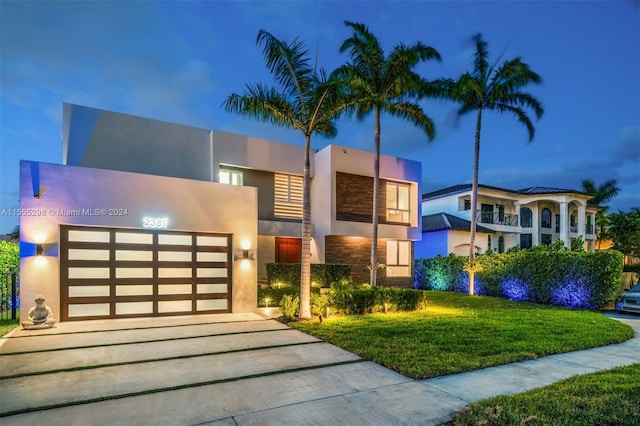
pixel 589 229
pixel 495 218
pixel 573 227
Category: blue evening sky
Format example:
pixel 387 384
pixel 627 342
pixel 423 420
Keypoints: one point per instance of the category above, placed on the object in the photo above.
pixel 178 61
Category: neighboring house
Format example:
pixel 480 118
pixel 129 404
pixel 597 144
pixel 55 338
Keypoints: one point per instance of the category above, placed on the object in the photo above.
pixel 506 218
pixel 184 198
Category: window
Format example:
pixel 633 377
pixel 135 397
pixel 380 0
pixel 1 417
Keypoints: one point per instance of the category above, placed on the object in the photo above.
pixel 557 223
pixel 467 204
pixel 397 202
pixel 545 218
pixel 525 241
pixel 288 196
pixel 573 225
pixel 488 242
pixel 486 213
pixel 526 217
pixel 545 239
pixel 500 244
pixel 398 258
pixel 231 177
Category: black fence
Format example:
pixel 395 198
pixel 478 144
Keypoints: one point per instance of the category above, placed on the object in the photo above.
pixel 9 295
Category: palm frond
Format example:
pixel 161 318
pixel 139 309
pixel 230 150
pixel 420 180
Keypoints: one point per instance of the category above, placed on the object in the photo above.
pixel 264 104
pixel 414 113
pixel 520 114
pixel 480 61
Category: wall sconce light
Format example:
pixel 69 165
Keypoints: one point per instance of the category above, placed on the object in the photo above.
pixel 39 249
pixel 245 254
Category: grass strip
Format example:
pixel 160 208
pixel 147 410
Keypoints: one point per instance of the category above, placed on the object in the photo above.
pixel 143 361
pixel 174 388
pixel 140 342
pixel 458 333
pixel 610 397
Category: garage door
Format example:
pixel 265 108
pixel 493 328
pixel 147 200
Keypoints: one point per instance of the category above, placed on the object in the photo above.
pixel 122 273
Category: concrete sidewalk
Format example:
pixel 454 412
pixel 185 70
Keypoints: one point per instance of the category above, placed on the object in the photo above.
pixel 242 370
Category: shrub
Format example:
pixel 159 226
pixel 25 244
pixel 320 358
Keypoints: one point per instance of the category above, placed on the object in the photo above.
pixel 319 303
pixel 375 299
pixel 289 306
pixel 282 275
pixel 545 274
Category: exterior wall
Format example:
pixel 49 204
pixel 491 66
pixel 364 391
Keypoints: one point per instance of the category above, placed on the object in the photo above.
pixel 109 140
pixel 432 245
pixel 67 193
pixel 360 163
pixel 356 251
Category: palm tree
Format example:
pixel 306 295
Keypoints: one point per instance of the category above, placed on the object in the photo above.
pixel 602 194
pixel 489 87
pixel 305 100
pixel 383 83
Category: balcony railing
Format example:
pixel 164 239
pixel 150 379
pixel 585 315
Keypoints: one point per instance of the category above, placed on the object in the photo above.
pixel 573 228
pixel 495 218
pixel 589 228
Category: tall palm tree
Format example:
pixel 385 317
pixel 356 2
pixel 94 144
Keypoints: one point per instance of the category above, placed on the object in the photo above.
pixel 383 83
pixel 305 100
pixel 497 88
pixel 602 194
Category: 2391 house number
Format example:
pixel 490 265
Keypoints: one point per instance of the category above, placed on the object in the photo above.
pixel 155 222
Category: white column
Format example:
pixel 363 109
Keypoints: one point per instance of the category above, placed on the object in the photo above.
pixel 582 221
pixel 535 230
pixel 564 223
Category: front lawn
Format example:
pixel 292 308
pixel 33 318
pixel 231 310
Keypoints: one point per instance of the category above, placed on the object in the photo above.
pixel 460 333
pixel 609 397
pixel 6 325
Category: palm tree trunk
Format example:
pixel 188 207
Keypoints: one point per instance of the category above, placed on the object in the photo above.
pixel 373 276
pixel 474 203
pixel 305 273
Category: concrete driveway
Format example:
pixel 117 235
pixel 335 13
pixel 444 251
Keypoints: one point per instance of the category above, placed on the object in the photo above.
pixel 240 369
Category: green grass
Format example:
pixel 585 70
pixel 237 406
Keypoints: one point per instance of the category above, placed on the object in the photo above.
pixel 6 325
pixel 609 397
pixel 460 333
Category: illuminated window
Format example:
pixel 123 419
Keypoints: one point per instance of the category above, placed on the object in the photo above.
pixel 398 258
pixel 288 196
pixel 231 177
pixel 397 202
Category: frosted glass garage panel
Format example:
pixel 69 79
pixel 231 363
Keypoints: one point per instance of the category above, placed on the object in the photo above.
pixel 212 288
pixel 174 306
pixel 129 308
pixel 133 238
pixel 134 273
pixel 174 289
pixel 179 240
pixel 211 304
pixel 211 241
pixel 211 257
pixel 89 236
pixel 134 290
pixel 398 271
pixel 174 256
pixel 134 255
pixel 79 273
pixel 89 310
pixel 174 272
pixel 212 272
pixel 87 254
pixel 89 290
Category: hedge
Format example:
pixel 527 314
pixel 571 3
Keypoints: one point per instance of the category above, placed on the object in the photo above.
pixel 573 279
pixel 322 274
pixel 356 301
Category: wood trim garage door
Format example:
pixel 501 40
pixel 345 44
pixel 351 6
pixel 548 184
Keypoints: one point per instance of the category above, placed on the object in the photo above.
pixel 124 273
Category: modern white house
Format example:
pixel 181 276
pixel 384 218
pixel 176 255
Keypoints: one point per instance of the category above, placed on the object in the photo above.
pixel 148 218
pixel 506 218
